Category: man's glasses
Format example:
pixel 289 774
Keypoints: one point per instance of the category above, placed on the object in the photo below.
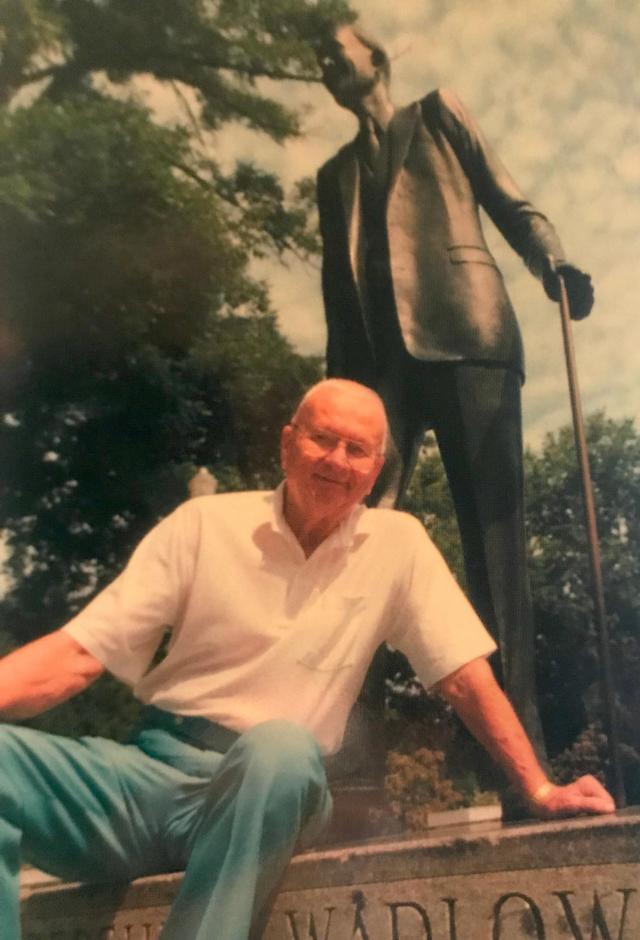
pixel 325 442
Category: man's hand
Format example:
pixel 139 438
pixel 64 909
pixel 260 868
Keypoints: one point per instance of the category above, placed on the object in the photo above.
pixel 584 795
pixel 578 283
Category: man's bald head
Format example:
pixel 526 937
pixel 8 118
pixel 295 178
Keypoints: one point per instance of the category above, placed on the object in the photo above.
pixel 346 392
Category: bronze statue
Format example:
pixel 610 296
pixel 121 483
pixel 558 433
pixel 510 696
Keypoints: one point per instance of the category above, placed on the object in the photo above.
pixel 417 309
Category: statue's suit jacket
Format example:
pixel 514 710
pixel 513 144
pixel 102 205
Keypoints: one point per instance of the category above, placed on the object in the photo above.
pixel 449 295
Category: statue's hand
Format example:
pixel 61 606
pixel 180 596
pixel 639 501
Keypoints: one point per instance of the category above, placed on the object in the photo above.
pixel 584 795
pixel 578 283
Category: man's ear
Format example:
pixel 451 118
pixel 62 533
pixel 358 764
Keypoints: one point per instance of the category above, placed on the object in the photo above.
pixel 375 473
pixel 285 437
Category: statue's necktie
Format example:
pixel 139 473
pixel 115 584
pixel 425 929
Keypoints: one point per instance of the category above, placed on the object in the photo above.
pixel 371 143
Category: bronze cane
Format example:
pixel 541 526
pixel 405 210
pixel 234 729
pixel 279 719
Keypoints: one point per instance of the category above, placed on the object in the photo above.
pixel 606 675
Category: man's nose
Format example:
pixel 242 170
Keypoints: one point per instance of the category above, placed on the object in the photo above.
pixel 338 456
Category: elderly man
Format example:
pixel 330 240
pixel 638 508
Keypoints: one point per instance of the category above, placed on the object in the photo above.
pixel 276 603
pixel 417 309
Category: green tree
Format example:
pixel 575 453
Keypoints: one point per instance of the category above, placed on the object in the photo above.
pixel 122 287
pixel 217 60
pixel 134 340
pixel 135 343
pixel 220 61
pixel 567 649
pixel 220 49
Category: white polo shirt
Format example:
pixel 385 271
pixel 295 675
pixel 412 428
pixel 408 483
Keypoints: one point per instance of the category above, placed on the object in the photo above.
pixel 258 631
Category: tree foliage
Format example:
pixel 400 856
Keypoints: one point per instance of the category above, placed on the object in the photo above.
pixel 419 783
pixel 218 59
pixel 568 658
pixel 140 345
pixel 221 48
pixel 135 342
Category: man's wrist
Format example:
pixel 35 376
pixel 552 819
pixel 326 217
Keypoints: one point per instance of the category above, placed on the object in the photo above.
pixel 540 794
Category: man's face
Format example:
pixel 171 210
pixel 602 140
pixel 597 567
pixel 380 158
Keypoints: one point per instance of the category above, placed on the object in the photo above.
pixel 333 452
pixel 347 69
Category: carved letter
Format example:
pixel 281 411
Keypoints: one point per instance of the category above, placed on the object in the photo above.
pixel 312 933
pixel 598 921
pixel 451 912
pixel 359 925
pixel 395 907
pixel 532 911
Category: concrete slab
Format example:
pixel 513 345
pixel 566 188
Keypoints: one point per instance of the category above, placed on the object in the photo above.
pixel 571 880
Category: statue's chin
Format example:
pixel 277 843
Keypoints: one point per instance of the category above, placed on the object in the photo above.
pixel 349 90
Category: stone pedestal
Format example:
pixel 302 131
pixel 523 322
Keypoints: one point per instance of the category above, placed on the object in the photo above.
pixel 574 880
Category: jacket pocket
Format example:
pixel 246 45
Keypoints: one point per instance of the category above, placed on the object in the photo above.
pixel 470 254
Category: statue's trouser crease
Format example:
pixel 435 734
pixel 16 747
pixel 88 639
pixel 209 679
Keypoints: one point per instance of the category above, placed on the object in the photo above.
pixel 476 415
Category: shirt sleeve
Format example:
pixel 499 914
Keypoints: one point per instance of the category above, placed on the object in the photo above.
pixel 124 624
pixel 436 627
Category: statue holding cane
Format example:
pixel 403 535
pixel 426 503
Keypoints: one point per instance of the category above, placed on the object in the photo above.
pixel 417 309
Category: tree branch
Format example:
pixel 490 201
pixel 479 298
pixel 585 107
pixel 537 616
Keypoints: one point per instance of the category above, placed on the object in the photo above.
pixel 250 70
pixel 201 181
pixel 186 106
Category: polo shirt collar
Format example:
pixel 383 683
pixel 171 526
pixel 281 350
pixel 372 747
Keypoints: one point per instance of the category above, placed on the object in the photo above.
pixel 342 537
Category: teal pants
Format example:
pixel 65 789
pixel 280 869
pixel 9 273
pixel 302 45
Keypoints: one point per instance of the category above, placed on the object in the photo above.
pixel 94 810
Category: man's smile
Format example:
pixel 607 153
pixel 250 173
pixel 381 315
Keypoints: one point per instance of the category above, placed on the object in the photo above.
pixel 330 480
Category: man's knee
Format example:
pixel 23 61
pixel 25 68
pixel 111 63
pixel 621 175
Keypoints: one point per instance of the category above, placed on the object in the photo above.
pixel 281 762
pixel 278 744
pixel 283 756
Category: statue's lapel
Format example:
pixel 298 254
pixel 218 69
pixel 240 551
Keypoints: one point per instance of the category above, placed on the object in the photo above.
pixel 349 179
pixel 401 130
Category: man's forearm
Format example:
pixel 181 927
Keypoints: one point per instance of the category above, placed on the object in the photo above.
pixel 486 711
pixel 44 673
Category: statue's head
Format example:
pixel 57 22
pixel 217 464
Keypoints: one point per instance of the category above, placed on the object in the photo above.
pixel 352 63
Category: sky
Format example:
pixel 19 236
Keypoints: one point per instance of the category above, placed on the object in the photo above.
pixel 555 86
